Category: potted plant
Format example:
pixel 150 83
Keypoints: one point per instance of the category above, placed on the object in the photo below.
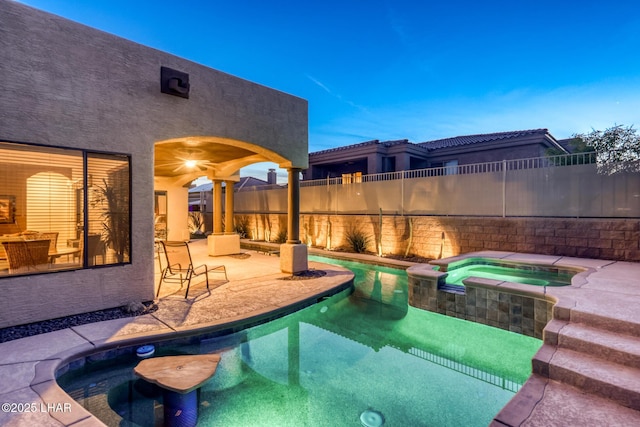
pixel 113 199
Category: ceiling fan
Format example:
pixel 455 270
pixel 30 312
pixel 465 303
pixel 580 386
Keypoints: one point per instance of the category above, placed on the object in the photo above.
pixel 191 164
pixel 188 161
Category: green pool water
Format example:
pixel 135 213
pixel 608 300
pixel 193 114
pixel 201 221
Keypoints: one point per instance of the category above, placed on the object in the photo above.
pixel 365 356
pixel 530 275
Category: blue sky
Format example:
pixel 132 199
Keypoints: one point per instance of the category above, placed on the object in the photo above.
pixel 395 69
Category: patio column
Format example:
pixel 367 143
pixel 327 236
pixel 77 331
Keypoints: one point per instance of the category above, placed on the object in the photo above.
pixel 293 206
pixel 223 241
pixel 293 254
pixel 217 206
pixel 228 208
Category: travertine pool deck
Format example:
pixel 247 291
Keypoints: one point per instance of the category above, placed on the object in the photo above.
pixel 598 322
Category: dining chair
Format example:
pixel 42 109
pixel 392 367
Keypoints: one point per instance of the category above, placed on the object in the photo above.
pixel 27 255
pixel 52 237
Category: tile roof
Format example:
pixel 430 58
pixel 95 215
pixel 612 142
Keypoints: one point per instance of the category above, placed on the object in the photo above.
pixel 248 181
pixel 457 141
pixel 362 144
pixel 442 143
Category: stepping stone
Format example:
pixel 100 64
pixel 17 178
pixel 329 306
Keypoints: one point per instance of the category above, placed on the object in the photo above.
pixel 180 374
pixel 180 377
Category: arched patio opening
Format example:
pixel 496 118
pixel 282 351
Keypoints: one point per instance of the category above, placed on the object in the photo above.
pixel 179 161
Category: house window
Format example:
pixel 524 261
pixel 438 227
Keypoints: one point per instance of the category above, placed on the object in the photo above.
pixel 62 209
pixel 348 178
pixel 108 216
pixel 450 167
pixel 388 164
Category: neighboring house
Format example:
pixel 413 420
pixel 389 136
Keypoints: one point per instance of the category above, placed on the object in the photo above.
pixel 490 147
pixel 366 158
pixel 201 199
pixel 201 196
pixel 391 156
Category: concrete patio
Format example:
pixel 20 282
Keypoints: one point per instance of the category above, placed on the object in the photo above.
pixel 585 374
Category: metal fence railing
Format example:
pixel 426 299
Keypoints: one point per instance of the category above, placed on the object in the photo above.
pixel 574 185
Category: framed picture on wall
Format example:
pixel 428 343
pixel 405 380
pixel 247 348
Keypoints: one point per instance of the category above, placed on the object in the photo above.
pixel 7 209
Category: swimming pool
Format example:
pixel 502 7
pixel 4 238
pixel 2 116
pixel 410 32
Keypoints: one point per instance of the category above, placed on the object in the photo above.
pixel 351 359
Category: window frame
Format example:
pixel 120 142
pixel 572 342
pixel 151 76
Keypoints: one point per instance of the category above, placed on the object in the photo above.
pixel 86 155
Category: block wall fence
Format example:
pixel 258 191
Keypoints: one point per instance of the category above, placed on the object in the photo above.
pixel 437 237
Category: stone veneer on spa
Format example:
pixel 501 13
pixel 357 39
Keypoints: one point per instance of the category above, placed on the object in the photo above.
pixel 525 309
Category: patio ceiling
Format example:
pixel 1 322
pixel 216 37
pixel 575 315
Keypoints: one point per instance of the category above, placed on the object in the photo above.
pixel 189 158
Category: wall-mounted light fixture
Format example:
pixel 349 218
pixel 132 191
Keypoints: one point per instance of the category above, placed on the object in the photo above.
pixel 173 82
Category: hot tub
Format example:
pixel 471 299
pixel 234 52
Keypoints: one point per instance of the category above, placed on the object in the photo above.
pixel 507 271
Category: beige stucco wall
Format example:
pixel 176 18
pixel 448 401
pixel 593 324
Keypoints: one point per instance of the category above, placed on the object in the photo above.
pixel 68 85
pixel 177 213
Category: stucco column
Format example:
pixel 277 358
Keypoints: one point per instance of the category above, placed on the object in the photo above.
pixel 293 254
pixel 293 208
pixel 374 162
pixel 223 241
pixel 228 208
pixel 217 206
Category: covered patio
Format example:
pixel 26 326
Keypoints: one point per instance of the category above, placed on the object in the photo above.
pixel 246 270
pixel 180 161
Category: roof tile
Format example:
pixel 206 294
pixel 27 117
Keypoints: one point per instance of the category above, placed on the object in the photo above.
pixel 474 139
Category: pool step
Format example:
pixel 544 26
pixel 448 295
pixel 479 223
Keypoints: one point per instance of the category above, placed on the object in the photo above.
pixel 596 375
pixel 595 360
pixel 626 322
pixel 611 346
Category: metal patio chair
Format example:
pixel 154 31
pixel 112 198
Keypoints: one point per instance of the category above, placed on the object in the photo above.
pixel 180 268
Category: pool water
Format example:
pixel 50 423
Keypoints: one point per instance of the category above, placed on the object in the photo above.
pixel 353 359
pixel 529 275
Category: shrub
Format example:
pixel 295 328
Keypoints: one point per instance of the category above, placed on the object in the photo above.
pixel 357 240
pixel 196 222
pixel 281 237
pixel 242 226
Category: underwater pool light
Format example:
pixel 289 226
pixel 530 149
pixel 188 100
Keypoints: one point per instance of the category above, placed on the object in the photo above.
pixel 371 418
pixel 145 351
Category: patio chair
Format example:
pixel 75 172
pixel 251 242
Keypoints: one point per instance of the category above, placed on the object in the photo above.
pixel 180 268
pixel 27 255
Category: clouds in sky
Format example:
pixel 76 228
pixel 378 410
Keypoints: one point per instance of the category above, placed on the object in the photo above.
pixel 564 111
pixel 382 69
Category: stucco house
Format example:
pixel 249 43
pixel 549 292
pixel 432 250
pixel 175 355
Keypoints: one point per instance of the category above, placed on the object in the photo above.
pixel 490 147
pixel 97 136
pixel 391 156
